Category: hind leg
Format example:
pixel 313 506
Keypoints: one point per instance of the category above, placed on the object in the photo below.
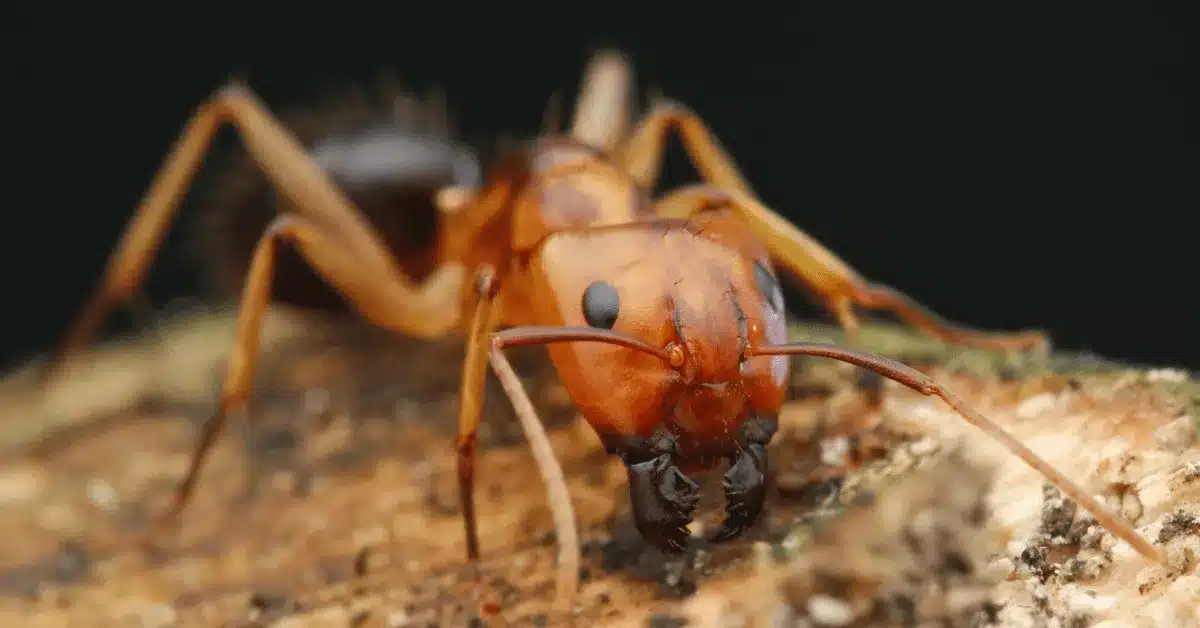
pixel 290 170
pixel 838 285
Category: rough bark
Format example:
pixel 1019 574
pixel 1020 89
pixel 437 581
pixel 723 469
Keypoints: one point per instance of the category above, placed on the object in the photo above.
pixel 933 523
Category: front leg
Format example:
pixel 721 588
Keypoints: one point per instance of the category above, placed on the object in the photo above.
pixel 482 348
pixel 838 285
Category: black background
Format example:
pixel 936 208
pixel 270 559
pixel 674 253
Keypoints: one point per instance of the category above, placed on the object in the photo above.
pixel 1010 167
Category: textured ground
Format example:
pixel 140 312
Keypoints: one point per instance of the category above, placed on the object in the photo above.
pixel 354 519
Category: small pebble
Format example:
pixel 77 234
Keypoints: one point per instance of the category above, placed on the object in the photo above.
pixel 924 447
pixel 1084 604
pixel 317 401
pixel 1177 435
pixel 834 450
pixel 827 611
pixel 1001 567
pixel 152 615
pixel 20 484
pixel 1121 469
pixel 762 555
pixel 1169 376
pixel 331 617
pixel 1037 405
pixel 1131 506
pixel 102 494
pixel 396 619
pixel 666 621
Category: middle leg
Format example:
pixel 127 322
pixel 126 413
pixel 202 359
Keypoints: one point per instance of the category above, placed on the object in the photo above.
pixel 381 301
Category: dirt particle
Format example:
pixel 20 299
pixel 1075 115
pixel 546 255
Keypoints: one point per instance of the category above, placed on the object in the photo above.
pixel 397 619
pixel 870 383
pixel 1176 524
pixel 1058 512
pixel 330 617
pixel 1187 477
pixel 1120 471
pixel 1037 405
pixel 71 563
pixel 810 493
pixel 441 497
pixel 1007 373
pixel 678 579
pixel 1091 534
pixel 666 621
pixel 273 605
pixel 1035 555
pixel 20 484
pixel 151 615
pixel 924 447
pixel 362 561
pixel 1177 435
pixel 1131 505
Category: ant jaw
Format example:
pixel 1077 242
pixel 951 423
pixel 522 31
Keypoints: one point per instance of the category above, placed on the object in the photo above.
pixel 745 482
pixel 745 491
pixel 664 499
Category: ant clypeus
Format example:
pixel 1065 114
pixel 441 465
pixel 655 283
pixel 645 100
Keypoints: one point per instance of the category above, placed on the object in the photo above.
pixel 664 318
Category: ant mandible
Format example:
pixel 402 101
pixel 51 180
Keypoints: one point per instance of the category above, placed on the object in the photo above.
pixel 664 318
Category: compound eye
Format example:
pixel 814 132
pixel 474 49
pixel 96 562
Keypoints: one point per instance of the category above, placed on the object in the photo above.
pixel 601 305
pixel 768 286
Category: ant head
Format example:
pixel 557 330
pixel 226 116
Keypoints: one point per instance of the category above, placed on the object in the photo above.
pixel 695 297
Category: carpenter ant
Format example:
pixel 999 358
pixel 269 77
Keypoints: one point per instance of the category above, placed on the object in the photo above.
pixel 664 318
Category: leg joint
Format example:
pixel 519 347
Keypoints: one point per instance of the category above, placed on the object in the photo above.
pixel 486 283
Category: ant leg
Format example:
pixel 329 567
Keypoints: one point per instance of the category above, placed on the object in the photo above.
pixel 838 285
pixel 481 346
pixel 380 299
pixel 645 147
pixel 603 110
pixel 569 552
pixel 470 401
pixel 289 169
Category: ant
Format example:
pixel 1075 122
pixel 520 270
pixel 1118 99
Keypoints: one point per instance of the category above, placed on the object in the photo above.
pixel 663 317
